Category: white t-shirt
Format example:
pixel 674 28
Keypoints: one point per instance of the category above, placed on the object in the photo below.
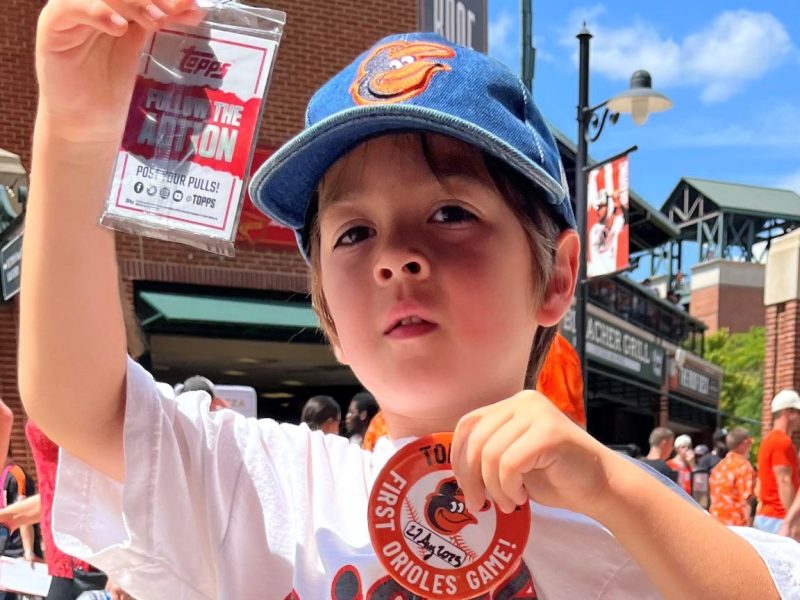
pixel 216 505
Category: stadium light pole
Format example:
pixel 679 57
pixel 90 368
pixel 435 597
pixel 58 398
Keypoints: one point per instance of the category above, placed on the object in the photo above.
pixel 639 100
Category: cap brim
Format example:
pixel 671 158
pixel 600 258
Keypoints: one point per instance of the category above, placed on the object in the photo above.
pixel 283 186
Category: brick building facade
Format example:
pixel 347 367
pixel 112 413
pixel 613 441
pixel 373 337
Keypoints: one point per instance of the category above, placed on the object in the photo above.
pixel 320 38
pixel 728 294
pixel 782 320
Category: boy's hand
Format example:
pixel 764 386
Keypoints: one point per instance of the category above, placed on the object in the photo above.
pixel 87 55
pixel 524 447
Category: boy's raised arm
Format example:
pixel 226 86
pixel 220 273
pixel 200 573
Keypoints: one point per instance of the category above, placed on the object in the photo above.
pixel 72 337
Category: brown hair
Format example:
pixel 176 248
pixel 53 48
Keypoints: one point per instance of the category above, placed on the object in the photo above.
pixel 736 436
pixel 660 434
pixel 526 201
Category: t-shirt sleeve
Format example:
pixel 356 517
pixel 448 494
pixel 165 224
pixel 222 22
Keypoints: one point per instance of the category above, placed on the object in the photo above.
pixel 163 528
pixel 783 453
pixel 780 554
pixel 782 557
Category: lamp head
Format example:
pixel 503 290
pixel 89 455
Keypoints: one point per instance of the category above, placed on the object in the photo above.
pixel 641 99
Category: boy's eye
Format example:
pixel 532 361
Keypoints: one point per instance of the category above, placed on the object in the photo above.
pixel 354 235
pixel 452 214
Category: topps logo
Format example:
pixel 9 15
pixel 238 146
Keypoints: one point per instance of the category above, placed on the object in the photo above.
pixel 196 61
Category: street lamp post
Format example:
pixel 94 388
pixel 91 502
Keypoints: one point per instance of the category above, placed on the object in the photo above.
pixel 640 100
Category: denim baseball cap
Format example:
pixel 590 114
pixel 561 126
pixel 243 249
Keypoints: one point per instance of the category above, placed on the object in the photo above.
pixel 416 82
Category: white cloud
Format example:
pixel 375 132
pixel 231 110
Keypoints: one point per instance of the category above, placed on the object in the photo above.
pixel 790 181
pixel 504 40
pixel 739 46
pixel 777 128
pixel 735 48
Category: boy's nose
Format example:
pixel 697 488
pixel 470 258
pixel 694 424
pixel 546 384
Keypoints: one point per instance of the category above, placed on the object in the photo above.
pixel 394 265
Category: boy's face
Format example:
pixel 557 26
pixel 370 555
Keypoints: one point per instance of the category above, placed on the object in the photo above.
pixel 428 279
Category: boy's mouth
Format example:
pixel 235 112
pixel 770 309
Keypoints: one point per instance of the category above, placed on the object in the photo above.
pixel 411 324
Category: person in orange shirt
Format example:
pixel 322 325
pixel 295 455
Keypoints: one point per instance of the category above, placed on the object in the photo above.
pixel 560 380
pixel 777 463
pixel 732 481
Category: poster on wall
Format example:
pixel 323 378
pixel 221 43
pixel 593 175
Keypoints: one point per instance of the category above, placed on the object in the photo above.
pixel 607 203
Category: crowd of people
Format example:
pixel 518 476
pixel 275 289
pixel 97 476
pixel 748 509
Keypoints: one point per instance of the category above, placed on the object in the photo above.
pixel 324 413
pixel 724 481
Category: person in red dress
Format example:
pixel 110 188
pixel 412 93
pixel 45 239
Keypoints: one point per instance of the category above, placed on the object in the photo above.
pixel 70 576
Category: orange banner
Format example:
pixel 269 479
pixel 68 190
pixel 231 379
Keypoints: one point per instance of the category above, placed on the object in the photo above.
pixel 255 227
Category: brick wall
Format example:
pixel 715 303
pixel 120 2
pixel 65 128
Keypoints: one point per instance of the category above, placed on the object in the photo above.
pixel 9 393
pixel 740 308
pixel 320 38
pixel 704 305
pixel 737 308
pixel 17 99
pixel 781 354
pixel 18 92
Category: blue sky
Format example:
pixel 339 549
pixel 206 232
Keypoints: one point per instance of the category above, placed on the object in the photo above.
pixel 732 70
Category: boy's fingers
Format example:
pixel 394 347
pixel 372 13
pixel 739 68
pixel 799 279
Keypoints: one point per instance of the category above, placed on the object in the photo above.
pixel 72 23
pixel 520 457
pixel 471 487
pixel 495 452
pixel 191 16
pixel 463 428
pixel 150 14
pixel 101 16
pixel 468 468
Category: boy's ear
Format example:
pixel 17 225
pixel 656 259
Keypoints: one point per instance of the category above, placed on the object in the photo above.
pixel 558 295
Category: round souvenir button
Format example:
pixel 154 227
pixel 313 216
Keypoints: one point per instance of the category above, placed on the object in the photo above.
pixel 427 539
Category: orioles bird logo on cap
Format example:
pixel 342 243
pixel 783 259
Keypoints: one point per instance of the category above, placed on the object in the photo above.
pixel 398 71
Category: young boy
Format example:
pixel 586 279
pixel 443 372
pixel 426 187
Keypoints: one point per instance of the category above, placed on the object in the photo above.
pixel 429 198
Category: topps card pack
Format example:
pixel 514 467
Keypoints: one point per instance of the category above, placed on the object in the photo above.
pixel 193 120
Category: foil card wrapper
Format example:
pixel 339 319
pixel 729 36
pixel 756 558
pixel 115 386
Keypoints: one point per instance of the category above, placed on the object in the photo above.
pixel 194 116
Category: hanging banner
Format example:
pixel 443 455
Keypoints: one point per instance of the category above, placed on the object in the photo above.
pixel 607 218
pixel 691 376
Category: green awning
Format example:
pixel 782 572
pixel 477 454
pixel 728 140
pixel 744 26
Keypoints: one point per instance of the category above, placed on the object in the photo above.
pixel 228 311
